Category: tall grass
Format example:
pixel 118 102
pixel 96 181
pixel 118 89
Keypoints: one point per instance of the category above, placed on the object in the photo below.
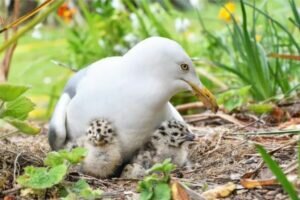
pixel 277 171
pixel 245 51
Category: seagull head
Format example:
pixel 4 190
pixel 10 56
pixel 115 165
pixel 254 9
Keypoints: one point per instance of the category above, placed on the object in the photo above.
pixel 167 61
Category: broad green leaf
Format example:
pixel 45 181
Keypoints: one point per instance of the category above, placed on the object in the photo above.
pixel 81 188
pixel 74 156
pixel 89 193
pixel 146 195
pixel 53 159
pixel 165 167
pixel 11 92
pixel 18 108
pixel 261 108
pixel 162 191
pixel 24 127
pixel 41 177
pixel 277 171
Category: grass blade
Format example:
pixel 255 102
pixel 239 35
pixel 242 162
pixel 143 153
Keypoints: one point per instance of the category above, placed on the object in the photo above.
pixel 277 171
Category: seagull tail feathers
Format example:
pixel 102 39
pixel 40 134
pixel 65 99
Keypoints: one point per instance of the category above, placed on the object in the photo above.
pixel 57 127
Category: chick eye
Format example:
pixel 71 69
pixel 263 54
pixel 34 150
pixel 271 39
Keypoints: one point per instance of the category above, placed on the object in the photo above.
pixel 184 67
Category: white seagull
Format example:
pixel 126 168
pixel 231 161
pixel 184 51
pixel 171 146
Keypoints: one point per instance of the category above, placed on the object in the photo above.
pixel 131 91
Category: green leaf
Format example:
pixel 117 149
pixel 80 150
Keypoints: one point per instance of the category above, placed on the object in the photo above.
pixel 74 156
pixel 146 195
pixel 277 171
pixel 261 108
pixel 83 189
pixel 165 167
pixel 41 177
pixel 53 159
pixel 162 191
pixel 18 108
pixel 23 126
pixel 11 92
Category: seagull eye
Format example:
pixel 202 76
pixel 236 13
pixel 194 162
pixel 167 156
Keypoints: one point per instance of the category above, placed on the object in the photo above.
pixel 184 67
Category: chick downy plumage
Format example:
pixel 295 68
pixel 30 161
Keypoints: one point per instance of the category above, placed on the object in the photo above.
pixel 104 153
pixel 170 140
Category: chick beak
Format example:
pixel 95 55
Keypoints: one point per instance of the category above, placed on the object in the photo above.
pixel 205 96
pixel 189 137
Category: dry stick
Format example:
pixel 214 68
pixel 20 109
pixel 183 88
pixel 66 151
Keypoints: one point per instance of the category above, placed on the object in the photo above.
pixel 9 52
pixel 291 167
pixel 18 21
pixel 187 106
pixel 261 164
pixel 272 132
pixel 9 134
pixel 15 167
pixel 11 191
pixel 217 145
pixel 30 25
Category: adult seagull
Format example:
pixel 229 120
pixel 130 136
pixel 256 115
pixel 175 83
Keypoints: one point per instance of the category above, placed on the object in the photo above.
pixel 131 91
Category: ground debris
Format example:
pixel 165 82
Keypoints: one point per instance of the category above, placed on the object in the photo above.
pixel 222 154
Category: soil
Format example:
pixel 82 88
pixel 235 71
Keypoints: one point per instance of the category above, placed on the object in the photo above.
pixel 223 153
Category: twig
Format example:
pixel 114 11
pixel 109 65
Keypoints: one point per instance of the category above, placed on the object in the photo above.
pixel 11 191
pixel 30 25
pixel 187 106
pixel 261 164
pixel 217 145
pixel 15 167
pixel 126 179
pixel 291 167
pixel 64 65
pixel 8 134
pixel 291 132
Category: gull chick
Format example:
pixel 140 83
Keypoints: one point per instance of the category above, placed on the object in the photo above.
pixel 170 140
pixel 104 153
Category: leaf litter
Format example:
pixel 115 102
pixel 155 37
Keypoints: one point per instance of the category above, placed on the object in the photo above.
pixel 225 161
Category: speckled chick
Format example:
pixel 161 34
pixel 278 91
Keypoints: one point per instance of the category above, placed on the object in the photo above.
pixel 170 140
pixel 104 153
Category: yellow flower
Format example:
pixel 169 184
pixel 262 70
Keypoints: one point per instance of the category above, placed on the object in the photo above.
pixel 258 37
pixel 227 11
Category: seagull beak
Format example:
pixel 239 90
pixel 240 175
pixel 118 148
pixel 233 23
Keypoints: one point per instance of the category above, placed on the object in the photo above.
pixel 205 96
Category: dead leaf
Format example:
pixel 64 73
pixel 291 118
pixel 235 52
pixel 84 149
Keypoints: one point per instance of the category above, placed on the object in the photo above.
pixel 220 191
pixel 178 192
pixel 9 197
pixel 284 56
pixel 251 183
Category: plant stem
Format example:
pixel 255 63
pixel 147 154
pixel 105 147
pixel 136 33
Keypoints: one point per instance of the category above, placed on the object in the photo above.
pixel 30 25
pixel 8 134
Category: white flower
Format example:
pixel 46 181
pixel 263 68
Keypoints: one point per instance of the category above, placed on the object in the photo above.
pixel 181 25
pixel 47 80
pixel 134 20
pixel 198 4
pixel 131 39
pixel 118 5
pixel 120 49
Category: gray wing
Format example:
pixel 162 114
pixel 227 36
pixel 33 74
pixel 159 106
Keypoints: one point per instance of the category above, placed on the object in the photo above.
pixel 57 127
